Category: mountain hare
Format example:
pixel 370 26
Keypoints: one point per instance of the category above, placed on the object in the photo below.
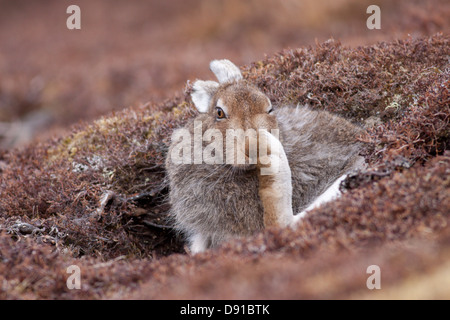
pixel 243 165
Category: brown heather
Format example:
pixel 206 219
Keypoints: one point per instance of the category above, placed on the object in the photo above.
pixel 97 197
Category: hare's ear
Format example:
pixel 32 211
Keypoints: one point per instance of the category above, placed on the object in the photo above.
pixel 202 94
pixel 225 71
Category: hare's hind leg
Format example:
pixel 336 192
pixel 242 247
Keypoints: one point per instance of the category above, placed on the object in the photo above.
pixel 275 185
pixel 329 194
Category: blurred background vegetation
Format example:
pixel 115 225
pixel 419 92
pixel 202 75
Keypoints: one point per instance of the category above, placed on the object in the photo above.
pixel 131 52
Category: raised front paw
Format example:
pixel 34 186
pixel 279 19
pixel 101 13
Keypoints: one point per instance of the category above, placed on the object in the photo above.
pixel 271 156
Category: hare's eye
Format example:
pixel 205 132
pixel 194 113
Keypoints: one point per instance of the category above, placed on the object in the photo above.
pixel 270 111
pixel 220 114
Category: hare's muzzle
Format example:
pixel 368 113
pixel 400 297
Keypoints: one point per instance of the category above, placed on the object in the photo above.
pixel 242 147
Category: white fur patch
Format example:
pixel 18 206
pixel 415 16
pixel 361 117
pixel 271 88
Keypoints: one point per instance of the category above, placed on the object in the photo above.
pixel 328 195
pixel 270 104
pixel 202 94
pixel 225 71
pixel 198 243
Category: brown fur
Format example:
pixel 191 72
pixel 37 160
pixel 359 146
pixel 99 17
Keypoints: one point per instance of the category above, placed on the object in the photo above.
pixel 268 199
